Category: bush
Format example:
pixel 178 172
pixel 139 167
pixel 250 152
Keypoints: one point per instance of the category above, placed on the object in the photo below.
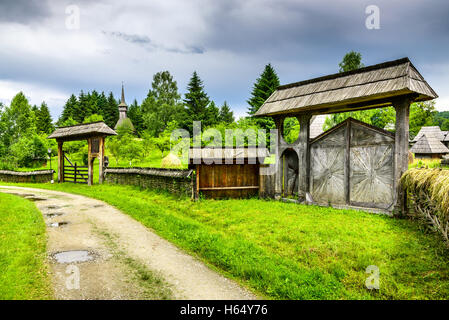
pixel 428 193
pixel 28 151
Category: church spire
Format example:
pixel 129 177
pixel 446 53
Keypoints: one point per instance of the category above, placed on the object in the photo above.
pixel 122 102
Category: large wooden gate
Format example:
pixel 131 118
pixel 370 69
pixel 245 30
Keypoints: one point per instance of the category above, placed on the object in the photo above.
pixel 352 164
pixel 75 173
pixel 228 180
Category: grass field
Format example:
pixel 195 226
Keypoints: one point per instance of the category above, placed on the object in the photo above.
pixel 290 251
pixel 23 272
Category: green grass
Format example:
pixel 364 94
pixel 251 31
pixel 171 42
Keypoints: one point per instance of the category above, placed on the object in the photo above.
pixel 23 272
pixel 289 251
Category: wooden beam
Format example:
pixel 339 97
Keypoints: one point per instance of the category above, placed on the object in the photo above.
pixel 197 195
pixel 304 155
pixel 60 162
pixel 90 178
pixel 402 108
pixel 230 188
pixel 101 161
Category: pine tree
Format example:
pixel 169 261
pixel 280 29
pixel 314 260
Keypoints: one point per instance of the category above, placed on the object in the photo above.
pixel 70 108
pixel 226 115
pixel 44 122
pixel 135 115
pixel 102 104
pixel 263 88
pixel 111 113
pixel 83 108
pixel 195 102
pixel 212 115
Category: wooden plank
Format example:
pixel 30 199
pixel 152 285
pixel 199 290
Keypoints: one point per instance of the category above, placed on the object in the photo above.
pixel 230 188
pixel 101 160
pixel 60 162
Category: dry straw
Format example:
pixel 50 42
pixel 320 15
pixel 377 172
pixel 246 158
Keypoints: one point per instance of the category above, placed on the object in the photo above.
pixel 429 193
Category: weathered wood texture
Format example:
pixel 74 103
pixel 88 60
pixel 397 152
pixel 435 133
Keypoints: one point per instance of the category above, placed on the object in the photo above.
pixel 402 108
pixel 267 181
pixel 352 164
pixel 228 181
pixel 303 166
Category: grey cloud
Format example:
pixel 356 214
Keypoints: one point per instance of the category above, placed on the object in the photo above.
pixel 146 42
pixel 133 38
pixel 23 11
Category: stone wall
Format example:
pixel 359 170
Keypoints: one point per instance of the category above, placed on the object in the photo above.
pixel 178 182
pixel 39 176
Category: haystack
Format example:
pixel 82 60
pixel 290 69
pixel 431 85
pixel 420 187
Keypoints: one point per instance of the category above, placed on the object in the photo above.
pixel 171 161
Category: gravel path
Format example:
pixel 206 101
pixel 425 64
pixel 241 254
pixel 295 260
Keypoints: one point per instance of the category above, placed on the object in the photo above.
pixel 111 237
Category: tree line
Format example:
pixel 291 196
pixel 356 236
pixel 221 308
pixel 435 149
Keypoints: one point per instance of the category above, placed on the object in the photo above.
pixel 24 128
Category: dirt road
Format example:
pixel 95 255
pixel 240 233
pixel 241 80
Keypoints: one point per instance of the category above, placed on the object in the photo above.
pixel 97 252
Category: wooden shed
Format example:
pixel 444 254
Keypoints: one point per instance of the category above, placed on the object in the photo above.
pixel 227 172
pixel 429 147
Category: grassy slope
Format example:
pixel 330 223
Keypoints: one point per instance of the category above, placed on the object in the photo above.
pixel 23 273
pixel 290 251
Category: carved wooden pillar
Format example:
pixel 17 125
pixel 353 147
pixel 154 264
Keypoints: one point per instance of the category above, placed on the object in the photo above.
pixel 90 177
pixel 303 156
pixel 101 160
pixel 60 162
pixel 278 175
pixel 402 108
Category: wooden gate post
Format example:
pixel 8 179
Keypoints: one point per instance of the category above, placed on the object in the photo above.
pixel 402 108
pixel 90 168
pixel 60 162
pixel 278 177
pixel 101 160
pixel 304 155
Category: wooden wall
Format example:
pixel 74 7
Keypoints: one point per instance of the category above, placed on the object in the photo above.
pixel 228 180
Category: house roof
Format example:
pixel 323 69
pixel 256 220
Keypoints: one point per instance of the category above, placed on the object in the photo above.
pixel 429 144
pixel 364 88
pixel 446 135
pixel 430 131
pixel 227 154
pixel 316 125
pixel 82 131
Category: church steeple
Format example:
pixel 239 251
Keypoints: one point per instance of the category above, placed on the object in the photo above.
pixel 122 102
pixel 122 107
pixel 123 119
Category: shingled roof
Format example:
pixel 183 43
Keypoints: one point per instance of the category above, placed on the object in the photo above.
pixel 364 88
pixel 226 155
pixel 429 145
pixel 430 131
pixel 82 131
pixel 316 125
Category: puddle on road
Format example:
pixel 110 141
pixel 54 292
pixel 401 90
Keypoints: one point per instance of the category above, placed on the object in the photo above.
pixel 52 207
pixel 73 256
pixel 34 198
pixel 54 214
pixel 57 224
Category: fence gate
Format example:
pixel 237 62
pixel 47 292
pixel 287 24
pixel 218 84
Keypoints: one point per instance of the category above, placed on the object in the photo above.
pixel 352 164
pixel 75 173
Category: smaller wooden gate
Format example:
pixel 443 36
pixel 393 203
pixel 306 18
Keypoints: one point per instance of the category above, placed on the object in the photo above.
pixel 75 173
pixel 227 172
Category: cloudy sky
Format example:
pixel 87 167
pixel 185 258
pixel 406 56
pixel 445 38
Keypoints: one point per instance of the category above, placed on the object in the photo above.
pixel 48 55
